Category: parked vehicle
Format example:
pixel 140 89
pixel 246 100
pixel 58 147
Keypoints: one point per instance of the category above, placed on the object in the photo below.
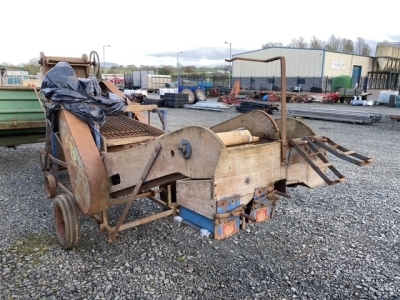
pixel 146 80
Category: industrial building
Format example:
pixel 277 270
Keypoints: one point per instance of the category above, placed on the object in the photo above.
pixel 385 73
pixel 318 69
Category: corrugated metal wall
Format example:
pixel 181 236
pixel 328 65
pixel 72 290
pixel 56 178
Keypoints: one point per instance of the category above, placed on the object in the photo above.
pixel 337 64
pixel 299 62
pixel 308 68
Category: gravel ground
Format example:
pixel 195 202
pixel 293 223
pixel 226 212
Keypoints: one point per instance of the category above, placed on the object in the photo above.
pixel 337 242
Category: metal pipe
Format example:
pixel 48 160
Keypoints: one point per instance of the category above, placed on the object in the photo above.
pixel 230 57
pixel 178 67
pixel 104 57
pixel 283 97
pixel 244 215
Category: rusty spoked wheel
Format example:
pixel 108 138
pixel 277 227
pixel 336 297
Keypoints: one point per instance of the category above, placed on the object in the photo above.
pixel 66 221
pixel 95 63
pixel 50 185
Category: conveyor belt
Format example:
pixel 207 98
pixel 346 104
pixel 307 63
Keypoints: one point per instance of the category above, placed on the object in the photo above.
pixel 119 127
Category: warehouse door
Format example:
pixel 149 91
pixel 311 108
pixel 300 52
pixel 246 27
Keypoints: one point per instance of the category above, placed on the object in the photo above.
pixel 356 76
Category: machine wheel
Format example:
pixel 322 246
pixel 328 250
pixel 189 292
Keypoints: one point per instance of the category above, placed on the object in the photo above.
pixel 95 62
pixel 50 186
pixel 66 221
pixel 200 95
pixel 192 98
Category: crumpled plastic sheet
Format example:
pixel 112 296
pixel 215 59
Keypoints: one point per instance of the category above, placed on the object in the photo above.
pixel 81 96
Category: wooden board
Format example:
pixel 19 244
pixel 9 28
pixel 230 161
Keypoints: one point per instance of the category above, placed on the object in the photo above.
pixel 296 128
pixel 196 195
pixel 242 169
pixel 205 150
pixel 259 124
pixel 131 140
pixel 135 108
pixel 299 171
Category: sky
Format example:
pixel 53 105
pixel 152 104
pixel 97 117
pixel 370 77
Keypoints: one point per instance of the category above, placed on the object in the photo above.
pixel 154 32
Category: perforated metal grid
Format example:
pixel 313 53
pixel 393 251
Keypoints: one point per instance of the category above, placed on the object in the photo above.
pixel 117 127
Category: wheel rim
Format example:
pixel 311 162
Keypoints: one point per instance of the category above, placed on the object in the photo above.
pixel 59 222
pixel 200 95
pixel 50 186
pixel 95 62
pixel 66 221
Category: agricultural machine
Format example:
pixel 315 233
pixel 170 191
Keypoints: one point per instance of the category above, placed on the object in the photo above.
pixel 215 179
pixel 195 91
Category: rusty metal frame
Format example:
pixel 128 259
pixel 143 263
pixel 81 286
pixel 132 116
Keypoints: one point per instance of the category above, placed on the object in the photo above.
pixel 284 142
pixel 115 230
pixel 50 165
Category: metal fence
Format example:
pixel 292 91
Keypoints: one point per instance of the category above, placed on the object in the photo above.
pixel 321 84
pixel 210 80
pixel 374 80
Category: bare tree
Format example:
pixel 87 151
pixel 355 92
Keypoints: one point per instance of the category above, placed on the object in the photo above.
pixel 272 44
pixel 316 43
pixel 333 43
pixel 361 47
pixel 366 50
pixel 298 43
pixel 338 44
pixel 347 46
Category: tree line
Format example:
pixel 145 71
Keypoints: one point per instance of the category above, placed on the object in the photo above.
pixel 33 68
pixel 337 44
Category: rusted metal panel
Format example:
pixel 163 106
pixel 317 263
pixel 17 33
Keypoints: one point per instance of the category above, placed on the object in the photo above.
pixel 227 204
pixel 119 127
pixel 227 228
pixel 264 204
pixel 86 170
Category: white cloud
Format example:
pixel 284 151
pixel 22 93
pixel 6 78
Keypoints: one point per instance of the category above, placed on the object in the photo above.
pixel 137 30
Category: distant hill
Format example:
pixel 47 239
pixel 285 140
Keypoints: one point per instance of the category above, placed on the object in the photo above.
pixel 108 64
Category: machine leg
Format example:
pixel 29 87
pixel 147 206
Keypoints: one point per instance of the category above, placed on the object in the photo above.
pixel 113 234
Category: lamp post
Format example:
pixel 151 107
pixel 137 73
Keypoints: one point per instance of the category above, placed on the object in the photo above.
pixel 230 57
pixel 179 67
pixel 104 56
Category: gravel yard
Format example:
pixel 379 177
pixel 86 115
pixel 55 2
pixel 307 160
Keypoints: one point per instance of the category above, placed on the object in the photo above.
pixel 331 242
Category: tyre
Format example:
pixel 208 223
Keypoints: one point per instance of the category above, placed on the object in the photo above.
pixel 200 95
pixel 66 221
pixel 192 98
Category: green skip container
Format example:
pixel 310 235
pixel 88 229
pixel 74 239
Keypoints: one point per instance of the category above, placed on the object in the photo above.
pixel 22 119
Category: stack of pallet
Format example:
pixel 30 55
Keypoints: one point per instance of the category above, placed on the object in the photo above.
pixel 175 100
